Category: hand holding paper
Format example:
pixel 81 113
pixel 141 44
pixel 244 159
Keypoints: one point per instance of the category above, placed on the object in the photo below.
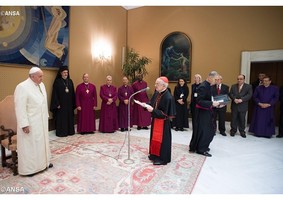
pixel 144 105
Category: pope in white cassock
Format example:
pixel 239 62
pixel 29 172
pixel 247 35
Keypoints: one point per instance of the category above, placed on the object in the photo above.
pixel 32 124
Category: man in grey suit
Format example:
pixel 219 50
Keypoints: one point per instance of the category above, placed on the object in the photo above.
pixel 240 94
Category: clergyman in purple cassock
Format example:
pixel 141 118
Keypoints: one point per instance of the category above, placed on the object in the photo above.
pixel 86 101
pixel 263 121
pixel 141 117
pixel 108 122
pixel 124 93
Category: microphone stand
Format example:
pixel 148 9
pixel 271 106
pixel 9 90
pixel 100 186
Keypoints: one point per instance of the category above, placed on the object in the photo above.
pixel 129 160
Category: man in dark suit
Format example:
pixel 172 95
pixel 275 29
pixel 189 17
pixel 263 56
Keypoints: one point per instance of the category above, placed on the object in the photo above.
pixel 258 81
pixel 219 89
pixel 240 94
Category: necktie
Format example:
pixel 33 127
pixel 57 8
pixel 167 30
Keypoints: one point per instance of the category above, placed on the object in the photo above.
pixel 218 90
pixel 240 88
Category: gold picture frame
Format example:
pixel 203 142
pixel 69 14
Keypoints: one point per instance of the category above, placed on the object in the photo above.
pixel 176 56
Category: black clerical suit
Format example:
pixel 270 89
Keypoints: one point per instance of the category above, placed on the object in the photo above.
pixel 181 120
pixel 63 103
pixel 203 133
pixel 194 95
pixel 163 110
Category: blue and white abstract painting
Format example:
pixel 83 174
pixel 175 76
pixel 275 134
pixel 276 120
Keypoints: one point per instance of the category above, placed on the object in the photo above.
pixel 34 35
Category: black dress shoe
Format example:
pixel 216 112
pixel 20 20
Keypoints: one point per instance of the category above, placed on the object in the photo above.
pixel 181 129
pixel 90 132
pixel 30 175
pixel 279 136
pixel 122 129
pixel 159 162
pixel 176 129
pixel 232 134
pixel 243 135
pixel 50 165
pixel 150 157
pixel 205 154
pixel 192 151
pixel 223 133
pixel 145 128
pixel 139 128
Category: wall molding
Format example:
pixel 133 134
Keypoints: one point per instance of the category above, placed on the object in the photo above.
pixel 258 56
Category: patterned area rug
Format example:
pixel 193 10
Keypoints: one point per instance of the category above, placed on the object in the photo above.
pixel 95 164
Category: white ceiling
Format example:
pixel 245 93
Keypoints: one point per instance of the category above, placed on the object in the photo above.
pixel 130 7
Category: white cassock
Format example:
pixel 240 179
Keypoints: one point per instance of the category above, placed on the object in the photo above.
pixel 32 110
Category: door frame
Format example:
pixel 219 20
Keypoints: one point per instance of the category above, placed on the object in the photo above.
pixel 252 56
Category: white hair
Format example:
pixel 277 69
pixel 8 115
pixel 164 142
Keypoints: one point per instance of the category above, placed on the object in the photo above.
pixel 198 76
pixel 163 82
pixel 213 74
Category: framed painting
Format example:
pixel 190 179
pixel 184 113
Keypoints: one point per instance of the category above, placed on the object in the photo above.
pixel 176 54
pixel 34 35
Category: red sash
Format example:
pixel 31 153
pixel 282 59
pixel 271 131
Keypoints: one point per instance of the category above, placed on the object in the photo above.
pixel 157 135
pixel 202 108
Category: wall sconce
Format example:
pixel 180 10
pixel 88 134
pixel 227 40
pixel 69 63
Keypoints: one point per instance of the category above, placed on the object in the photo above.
pixel 101 51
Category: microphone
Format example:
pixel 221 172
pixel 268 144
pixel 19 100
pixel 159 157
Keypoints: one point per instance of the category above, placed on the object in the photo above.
pixel 142 90
pixel 129 160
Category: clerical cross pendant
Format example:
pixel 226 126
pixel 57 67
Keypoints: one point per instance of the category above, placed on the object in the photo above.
pixel 67 90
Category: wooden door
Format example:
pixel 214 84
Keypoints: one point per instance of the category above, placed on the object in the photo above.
pixel 273 69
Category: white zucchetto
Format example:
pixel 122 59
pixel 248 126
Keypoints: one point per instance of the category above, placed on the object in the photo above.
pixel 34 70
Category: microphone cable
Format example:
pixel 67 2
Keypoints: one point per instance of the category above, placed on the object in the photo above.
pixel 98 152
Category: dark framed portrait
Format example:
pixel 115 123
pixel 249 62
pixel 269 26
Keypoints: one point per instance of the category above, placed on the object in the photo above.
pixel 176 54
pixel 34 35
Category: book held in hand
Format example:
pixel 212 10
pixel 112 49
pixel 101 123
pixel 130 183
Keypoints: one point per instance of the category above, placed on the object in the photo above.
pixel 223 99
